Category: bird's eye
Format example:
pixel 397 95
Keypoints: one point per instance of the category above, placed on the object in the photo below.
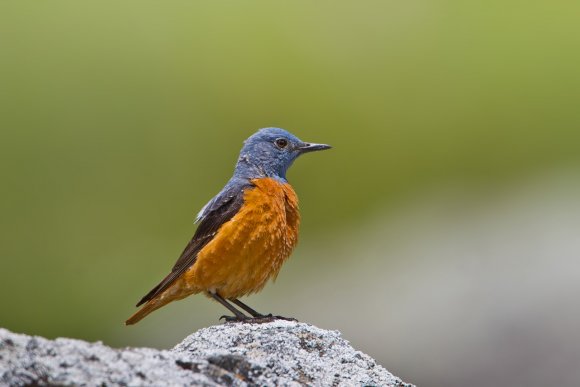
pixel 281 142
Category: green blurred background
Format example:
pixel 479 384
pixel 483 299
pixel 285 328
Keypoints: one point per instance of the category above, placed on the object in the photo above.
pixel 440 235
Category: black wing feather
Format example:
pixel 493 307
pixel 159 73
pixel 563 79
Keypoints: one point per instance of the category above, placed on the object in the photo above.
pixel 218 212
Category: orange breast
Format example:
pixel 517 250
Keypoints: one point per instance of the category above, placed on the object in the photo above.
pixel 251 247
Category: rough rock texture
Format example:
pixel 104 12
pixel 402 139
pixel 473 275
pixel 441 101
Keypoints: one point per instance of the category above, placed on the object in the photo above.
pixel 279 353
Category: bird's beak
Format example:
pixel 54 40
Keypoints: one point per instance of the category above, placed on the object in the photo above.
pixel 310 147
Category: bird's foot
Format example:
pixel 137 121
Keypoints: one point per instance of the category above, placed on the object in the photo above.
pixel 260 319
pixel 268 318
pixel 234 319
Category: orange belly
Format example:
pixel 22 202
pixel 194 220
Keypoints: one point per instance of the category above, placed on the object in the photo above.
pixel 249 249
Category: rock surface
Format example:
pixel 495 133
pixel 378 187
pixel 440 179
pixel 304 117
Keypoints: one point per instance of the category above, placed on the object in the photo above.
pixel 279 353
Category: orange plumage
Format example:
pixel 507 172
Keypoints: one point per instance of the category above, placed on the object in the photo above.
pixel 245 253
pixel 250 248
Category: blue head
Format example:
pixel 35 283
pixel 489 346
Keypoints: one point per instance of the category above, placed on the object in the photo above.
pixel 270 152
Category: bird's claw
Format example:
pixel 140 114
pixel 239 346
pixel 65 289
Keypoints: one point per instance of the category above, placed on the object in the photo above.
pixel 233 318
pixel 282 318
pixel 269 318
pixel 261 319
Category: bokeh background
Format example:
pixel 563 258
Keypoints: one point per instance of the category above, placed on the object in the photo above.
pixel 441 235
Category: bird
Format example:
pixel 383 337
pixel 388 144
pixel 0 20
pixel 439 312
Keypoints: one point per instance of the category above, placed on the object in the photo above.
pixel 244 234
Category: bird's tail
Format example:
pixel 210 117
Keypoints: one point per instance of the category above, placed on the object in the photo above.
pixel 149 307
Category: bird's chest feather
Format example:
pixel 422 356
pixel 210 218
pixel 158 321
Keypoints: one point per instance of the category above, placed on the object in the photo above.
pixel 253 245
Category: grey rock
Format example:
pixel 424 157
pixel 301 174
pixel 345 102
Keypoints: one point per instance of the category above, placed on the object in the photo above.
pixel 278 353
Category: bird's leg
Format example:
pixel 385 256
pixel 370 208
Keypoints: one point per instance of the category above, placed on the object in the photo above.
pixel 258 316
pixel 239 316
pixel 248 309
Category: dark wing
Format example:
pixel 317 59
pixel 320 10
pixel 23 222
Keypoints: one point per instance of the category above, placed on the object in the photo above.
pixel 217 212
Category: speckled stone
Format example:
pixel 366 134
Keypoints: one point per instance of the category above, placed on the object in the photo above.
pixel 278 353
pixel 286 353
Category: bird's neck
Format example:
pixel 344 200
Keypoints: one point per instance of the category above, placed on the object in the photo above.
pixel 249 168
